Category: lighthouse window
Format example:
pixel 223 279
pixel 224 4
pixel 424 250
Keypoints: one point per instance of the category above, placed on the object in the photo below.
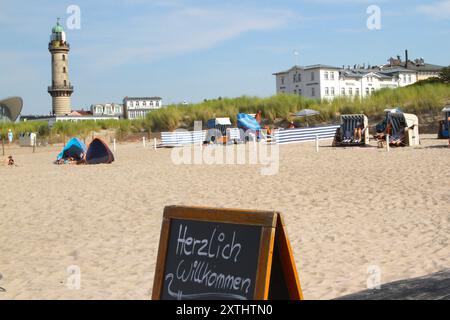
pixel 64 69
pixel 65 83
pixel 64 57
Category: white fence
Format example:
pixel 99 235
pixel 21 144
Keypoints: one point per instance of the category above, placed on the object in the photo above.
pixel 304 134
pixel 180 138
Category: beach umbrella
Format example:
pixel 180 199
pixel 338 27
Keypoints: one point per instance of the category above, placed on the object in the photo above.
pixel 306 113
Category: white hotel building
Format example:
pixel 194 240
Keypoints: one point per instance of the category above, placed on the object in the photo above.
pixel 136 108
pixel 327 82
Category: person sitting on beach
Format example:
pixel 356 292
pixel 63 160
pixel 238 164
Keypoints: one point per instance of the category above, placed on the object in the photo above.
pixel 291 125
pixel 10 161
pixel 258 116
pixel 357 133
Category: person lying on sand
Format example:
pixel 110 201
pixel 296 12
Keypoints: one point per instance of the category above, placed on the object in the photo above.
pixel 72 160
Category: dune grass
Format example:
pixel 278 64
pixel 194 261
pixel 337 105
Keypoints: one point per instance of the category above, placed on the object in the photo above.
pixel 418 99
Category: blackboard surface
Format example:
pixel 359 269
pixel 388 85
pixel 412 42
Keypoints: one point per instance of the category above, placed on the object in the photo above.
pixel 224 254
pixel 211 260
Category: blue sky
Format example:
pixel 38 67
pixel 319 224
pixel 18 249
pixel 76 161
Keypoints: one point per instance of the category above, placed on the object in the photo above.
pixel 191 50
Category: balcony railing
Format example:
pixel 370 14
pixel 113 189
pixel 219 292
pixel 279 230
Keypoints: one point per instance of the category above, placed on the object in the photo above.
pixel 58 45
pixel 60 88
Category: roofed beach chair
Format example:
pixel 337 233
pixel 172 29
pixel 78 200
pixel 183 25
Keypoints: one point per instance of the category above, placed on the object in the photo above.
pixel 347 133
pixel 403 129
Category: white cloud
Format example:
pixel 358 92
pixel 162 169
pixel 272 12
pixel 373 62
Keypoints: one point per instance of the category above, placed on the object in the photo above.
pixel 438 10
pixel 179 31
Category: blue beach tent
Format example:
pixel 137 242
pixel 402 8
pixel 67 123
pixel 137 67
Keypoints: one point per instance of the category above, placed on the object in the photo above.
pixel 75 148
pixel 246 122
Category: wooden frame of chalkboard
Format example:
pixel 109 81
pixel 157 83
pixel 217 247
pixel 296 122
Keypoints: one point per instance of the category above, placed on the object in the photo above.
pixel 283 283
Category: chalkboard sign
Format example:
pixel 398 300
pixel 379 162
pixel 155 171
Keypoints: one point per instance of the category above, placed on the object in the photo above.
pixel 224 254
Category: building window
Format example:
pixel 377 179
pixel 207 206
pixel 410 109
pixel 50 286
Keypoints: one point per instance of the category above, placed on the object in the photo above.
pixel 64 57
pixel 409 78
pixel 145 103
pixel 332 91
pixel 373 90
pixel 332 75
pixel 295 91
pixel 327 91
pixel 282 80
pixel 299 92
pixel 326 75
pixel 313 92
pixel 343 91
pixel 312 76
pixel 350 91
pixel 367 91
pixel 299 77
pixel 65 83
pixel 64 69
pixel 357 92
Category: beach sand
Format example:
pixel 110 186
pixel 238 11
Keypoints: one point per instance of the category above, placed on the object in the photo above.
pixel 346 210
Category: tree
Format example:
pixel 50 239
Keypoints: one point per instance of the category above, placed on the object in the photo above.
pixel 445 75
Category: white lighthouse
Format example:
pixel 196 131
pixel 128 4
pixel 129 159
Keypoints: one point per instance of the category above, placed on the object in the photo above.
pixel 61 88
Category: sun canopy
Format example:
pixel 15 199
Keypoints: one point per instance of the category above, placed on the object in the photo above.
pixel 75 149
pixel 212 123
pixel 223 121
pixel 98 152
pixel 247 122
pixel 307 113
pixel 396 110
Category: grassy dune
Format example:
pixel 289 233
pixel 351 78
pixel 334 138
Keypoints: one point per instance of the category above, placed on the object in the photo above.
pixel 418 99
pixel 423 99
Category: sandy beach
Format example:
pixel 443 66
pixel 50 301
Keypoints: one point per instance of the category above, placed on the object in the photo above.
pixel 346 210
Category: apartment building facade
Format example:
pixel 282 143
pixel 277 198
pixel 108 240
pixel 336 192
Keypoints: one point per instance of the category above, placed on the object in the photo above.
pixel 328 82
pixel 139 107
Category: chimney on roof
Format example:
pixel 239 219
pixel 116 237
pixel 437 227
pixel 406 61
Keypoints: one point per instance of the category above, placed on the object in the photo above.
pixel 406 58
